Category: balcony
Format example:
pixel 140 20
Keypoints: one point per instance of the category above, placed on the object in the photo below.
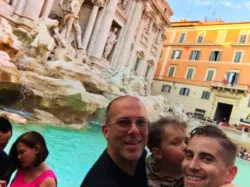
pixel 230 87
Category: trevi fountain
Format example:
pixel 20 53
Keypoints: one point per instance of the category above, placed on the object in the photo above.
pixel 63 61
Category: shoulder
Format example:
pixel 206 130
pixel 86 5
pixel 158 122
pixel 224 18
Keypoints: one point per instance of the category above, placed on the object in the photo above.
pixel 48 182
pixel 3 155
pixel 46 179
pixel 99 175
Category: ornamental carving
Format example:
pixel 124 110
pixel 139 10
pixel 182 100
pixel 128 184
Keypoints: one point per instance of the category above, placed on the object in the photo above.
pixel 158 22
pixel 123 4
pixel 148 11
pixel 99 3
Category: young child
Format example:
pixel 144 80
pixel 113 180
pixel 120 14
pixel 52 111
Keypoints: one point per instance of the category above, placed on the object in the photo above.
pixel 167 141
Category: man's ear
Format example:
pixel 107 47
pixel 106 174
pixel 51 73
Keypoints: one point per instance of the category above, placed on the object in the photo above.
pixel 105 131
pixel 157 152
pixel 231 173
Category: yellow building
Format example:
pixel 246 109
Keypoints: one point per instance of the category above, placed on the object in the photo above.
pixel 206 66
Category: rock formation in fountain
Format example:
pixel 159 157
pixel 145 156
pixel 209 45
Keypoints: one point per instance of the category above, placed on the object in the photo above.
pixel 52 69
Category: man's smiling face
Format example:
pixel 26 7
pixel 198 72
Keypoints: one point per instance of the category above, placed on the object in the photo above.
pixel 205 165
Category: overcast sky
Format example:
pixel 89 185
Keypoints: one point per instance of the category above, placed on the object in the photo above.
pixel 227 10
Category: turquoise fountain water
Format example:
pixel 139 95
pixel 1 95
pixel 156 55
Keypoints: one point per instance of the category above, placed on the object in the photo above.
pixel 73 152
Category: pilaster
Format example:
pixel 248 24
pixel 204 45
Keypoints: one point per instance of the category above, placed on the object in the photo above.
pixel 91 22
pixel 104 28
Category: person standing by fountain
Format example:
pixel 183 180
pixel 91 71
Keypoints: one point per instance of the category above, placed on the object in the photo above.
pixel 29 151
pixel 6 165
pixel 122 164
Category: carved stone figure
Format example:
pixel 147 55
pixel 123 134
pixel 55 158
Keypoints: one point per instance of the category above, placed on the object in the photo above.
pixel 147 25
pixel 43 36
pixel 123 4
pixel 121 78
pixel 178 111
pixel 71 9
pixel 147 88
pixel 111 41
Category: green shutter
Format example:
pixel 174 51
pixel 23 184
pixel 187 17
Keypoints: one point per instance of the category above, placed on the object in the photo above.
pixel 212 55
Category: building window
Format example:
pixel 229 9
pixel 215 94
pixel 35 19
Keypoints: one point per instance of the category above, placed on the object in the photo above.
pixel 232 78
pixel 166 88
pixel 205 95
pixel 210 75
pixel 215 56
pixel 147 71
pixel 200 37
pixel 171 71
pixel 184 91
pixel 248 103
pixel 200 113
pixel 221 36
pixel 194 55
pixel 190 73
pixel 237 56
pixel 243 38
pixel 176 54
pixel 182 36
pixel 136 66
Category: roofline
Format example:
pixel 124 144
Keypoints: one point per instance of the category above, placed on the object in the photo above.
pixel 202 24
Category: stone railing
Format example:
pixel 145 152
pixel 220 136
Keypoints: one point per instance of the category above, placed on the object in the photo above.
pixel 237 87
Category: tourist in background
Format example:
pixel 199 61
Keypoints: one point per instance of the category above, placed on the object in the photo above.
pixel 167 141
pixel 29 152
pixel 224 122
pixel 122 164
pixel 6 165
pixel 209 158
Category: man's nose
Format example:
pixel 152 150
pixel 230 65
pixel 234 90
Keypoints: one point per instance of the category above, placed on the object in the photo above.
pixel 133 128
pixel 194 164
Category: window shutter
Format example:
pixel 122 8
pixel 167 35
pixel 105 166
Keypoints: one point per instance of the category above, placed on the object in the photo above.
pixel 198 55
pixel 219 55
pixel 211 56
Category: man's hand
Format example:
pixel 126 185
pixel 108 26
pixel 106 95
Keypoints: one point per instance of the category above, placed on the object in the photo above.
pixel 3 183
pixel 229 185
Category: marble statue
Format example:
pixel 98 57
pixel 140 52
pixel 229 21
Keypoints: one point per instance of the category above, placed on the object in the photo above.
pixel 43 36
pixel 178 111
pixel 71 9
pixel 122 78
pixel 147 88
pixel 111 41
pixel 123 4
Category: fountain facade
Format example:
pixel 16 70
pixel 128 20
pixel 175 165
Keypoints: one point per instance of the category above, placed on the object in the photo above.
pixel 63 61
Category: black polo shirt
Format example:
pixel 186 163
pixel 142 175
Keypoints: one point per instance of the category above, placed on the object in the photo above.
pixel 105 173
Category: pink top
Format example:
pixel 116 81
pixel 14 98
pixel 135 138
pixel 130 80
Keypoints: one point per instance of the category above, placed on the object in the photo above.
pixel 18 181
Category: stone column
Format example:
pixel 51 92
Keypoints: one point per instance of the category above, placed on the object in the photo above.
pixel 95 31
pixel 47 8
pixel 91 22
pixel 19 6
pixel 104 28
pixel 33 9
pixel 129 36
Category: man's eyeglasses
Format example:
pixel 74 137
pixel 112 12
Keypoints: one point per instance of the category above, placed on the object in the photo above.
pixel 125 124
